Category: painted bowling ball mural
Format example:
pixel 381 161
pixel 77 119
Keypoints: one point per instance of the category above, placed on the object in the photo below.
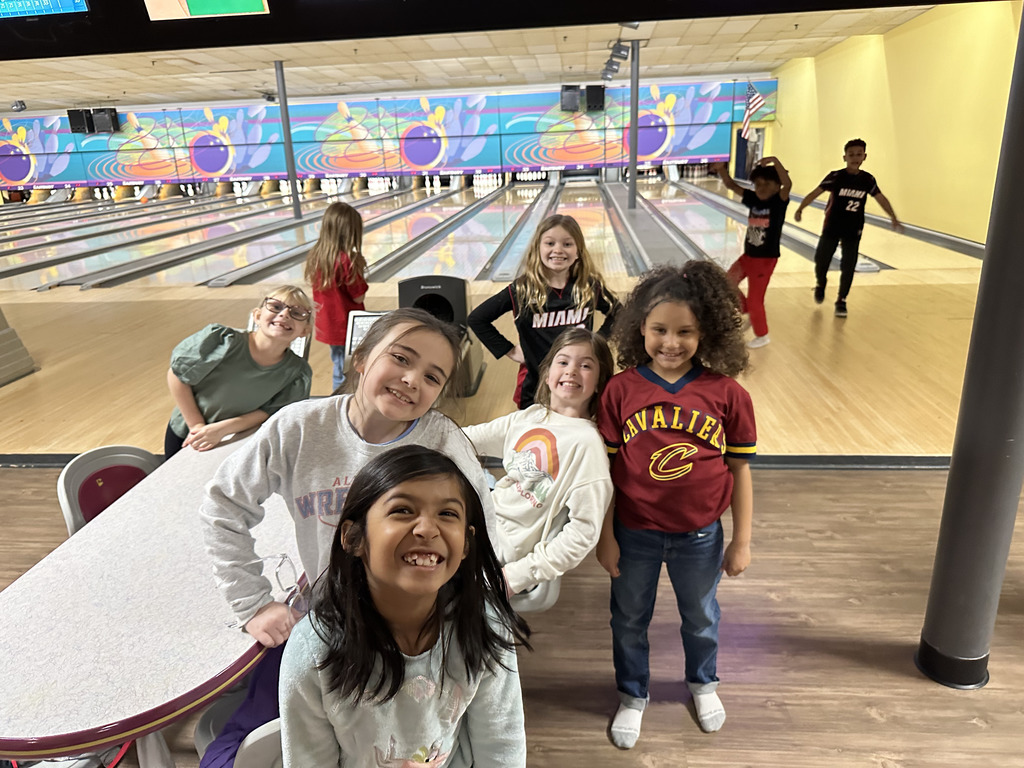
pixel 143 152
pixel 656 129
pixel 572 140
pixel 17 163
pixel 424 143
pixel 347 143
pixel 211 151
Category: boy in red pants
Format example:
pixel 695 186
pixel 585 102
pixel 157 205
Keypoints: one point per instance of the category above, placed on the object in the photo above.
pixel 767 204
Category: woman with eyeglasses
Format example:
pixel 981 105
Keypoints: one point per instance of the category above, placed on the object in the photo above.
pixel 224 380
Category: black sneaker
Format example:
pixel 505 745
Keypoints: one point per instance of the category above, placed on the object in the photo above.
pixel 841 308
pixel 819 294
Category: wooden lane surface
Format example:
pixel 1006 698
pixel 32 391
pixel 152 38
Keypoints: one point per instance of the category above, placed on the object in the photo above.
pixel 816 643
pixel 886 380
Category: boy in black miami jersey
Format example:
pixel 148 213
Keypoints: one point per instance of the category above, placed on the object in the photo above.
pixel 848 189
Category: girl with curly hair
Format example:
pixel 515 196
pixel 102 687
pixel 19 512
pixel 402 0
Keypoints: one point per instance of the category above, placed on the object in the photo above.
pixel 679 430
pixel 560 288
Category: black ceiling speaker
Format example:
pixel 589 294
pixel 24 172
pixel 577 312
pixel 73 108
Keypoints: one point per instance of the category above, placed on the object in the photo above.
pixel 570 98
pixel 105 120
pixel 595 98
pixel 80 121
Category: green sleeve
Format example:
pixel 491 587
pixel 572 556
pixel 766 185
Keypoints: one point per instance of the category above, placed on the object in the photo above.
pixel 296 390
pixel 201 352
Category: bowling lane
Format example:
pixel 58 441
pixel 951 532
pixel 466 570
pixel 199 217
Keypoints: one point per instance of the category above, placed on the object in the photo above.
pixel 467 248
pixel 583 202
pixel 718 235
pixel 390 237
pixel 81 223
pixel 99 229
pixel 122 247
pixel 216 264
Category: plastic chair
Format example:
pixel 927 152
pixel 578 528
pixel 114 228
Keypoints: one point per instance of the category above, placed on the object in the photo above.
pixel 538 599
pixel 87 485
pixel 545 594
pixel 260 749
pixel 94 480
pixel 215 717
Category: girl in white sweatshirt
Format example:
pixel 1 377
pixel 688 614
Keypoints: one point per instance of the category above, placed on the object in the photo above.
pixel 550 505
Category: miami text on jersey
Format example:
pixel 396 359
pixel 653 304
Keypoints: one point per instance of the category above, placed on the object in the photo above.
pixel 561 317
pixel 859 193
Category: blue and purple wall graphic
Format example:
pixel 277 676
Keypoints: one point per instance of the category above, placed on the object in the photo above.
pixel 474 133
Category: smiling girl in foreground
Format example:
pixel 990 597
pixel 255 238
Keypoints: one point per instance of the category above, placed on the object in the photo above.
pixel 680 431
pixel 408 655
pixel 551 503
pixel 309 453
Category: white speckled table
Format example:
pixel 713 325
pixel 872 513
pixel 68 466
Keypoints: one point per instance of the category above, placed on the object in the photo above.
pixel 120 630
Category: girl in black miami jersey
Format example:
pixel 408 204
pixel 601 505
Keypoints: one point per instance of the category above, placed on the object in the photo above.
pixel 559 289
pixel 679 430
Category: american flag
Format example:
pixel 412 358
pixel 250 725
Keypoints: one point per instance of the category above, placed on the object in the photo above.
pixel 754 102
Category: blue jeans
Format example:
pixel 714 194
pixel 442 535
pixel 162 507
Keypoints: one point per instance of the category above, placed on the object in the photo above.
pixel 694 562
pixel 338 358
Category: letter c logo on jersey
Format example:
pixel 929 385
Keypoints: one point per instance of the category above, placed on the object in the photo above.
pixel 670 462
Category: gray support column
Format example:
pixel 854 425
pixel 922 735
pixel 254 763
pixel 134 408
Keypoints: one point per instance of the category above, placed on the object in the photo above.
pixel 634 117
pixel 983 489
pixel 286 131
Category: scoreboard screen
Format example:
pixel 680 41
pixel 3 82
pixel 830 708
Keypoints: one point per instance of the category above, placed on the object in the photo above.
pixel 11 9
pixel 161 10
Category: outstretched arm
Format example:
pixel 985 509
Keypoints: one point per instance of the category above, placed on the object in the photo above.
pixel 722 169
pixel 887 207
pixel 784 180
pixel 807 201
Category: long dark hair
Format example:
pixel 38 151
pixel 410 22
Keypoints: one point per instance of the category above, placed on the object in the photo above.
pixel 705 287
pixel 472 607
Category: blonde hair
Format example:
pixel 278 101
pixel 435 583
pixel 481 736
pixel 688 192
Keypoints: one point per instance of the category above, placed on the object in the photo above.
pixel 292 295
pixel 341 230
pixel 532 286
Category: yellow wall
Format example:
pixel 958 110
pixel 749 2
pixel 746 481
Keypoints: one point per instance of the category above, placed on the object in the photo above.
pixel 928 97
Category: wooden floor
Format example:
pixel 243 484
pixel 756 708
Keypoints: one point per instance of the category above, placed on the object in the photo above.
pixel 884 381
pixel 816 645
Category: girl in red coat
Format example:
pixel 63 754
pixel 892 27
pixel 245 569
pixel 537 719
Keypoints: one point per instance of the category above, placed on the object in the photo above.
pixel 336 270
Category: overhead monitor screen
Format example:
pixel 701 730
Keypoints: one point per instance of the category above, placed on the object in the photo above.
pixel 10 9
pixel 160 10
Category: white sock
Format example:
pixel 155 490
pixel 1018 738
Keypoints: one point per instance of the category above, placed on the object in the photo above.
pixel 626 727
pixel 710 712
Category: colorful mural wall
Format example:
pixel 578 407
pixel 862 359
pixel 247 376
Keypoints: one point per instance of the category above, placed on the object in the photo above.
pixel 476 133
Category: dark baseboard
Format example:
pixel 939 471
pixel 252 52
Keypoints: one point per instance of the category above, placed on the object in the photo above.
pixel 822 462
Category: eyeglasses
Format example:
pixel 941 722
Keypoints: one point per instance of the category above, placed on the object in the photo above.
pixel 277 307
pixel 289 591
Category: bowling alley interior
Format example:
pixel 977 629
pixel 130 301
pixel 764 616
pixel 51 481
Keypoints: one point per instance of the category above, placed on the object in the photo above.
pixel 165 166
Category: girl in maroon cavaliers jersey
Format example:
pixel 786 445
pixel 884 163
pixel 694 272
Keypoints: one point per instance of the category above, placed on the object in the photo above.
pixel 560 288
pixel 679 430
